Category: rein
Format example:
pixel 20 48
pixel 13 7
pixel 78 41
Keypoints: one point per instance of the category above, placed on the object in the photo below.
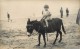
pixel 29 25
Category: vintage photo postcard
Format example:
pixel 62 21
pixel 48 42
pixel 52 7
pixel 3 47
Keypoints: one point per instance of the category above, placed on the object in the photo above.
pixel 39 24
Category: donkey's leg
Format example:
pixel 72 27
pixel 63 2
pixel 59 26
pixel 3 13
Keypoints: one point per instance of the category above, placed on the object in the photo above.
pixel 39 39
pixel 56 38
pixel 47 36
pixel 60 36
pixel 44 39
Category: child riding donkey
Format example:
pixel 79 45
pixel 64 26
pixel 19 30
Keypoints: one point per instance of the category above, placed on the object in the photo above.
pixel 46 15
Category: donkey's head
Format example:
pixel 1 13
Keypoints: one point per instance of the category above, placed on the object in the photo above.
pixel 29 27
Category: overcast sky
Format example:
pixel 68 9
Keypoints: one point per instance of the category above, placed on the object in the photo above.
pixel 33 9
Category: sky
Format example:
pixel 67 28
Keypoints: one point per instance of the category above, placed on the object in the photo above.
pixel 33 9
pixel 21 10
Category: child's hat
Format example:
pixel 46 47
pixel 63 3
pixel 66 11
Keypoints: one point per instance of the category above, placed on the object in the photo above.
pixel 46 6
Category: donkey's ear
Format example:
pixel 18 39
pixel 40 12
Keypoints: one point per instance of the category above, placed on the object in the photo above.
pixel 28 19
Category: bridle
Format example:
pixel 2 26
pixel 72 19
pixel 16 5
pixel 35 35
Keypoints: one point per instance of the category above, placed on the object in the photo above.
pixel 33 26
pixel 30 25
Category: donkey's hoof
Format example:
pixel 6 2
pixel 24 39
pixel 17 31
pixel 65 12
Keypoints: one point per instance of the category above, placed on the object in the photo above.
pixel 44 46
pixel 59 41
pixel 54 43
pixel 38 45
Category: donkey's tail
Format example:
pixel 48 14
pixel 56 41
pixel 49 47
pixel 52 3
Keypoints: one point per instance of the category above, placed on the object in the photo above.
pixel 63 28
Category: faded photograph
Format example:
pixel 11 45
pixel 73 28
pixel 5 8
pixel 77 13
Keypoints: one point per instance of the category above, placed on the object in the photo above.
pixel 39 24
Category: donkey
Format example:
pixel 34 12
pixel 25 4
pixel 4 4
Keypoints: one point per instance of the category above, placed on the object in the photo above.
pixel 55 24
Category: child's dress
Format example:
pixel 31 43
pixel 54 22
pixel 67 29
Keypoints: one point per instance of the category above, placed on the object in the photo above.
pixel 46 16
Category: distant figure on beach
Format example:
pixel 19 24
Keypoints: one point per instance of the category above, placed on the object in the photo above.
pixel 67 12
pixel 78 18
pixel 61 12
pixel 46 15
pixel 8 16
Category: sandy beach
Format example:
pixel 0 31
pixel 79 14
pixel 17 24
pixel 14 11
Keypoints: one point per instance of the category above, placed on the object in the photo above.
pixel 15 36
